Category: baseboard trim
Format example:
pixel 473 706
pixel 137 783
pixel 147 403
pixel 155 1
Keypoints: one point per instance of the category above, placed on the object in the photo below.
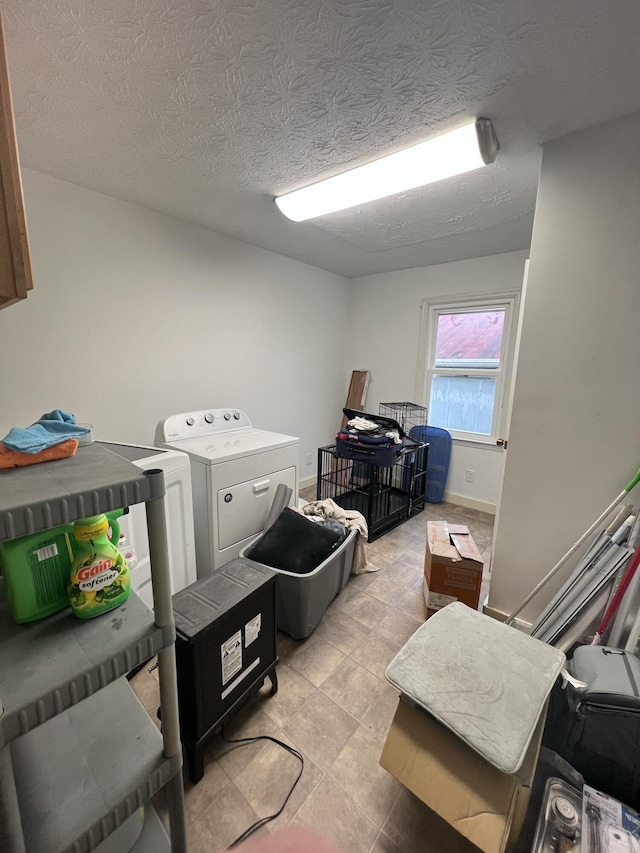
pixel 501 616
pixel 470 503
pixel 450 497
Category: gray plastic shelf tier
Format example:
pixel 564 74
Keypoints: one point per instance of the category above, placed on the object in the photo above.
pixel 154 837
pixel 138 834
pixel 95 480
pixel 50 665
pixel 105 756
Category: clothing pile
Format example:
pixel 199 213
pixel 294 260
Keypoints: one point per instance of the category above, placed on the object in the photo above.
pixel 370 432
pixel 351 519
pixel 371 438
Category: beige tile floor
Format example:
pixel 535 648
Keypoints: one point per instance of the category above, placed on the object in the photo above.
pixel 334 706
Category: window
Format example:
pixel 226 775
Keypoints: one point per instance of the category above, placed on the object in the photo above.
pixel 466 354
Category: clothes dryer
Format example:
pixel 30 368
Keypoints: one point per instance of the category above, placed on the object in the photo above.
pixel 235 471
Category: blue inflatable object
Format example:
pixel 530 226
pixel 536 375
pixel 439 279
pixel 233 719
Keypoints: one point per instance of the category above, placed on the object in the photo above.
pixel 439 456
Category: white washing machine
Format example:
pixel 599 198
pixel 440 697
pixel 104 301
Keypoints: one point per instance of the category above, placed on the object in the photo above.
pixel 235 471
pixel 179 514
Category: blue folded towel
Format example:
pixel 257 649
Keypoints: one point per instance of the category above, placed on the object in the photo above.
pixel 52 428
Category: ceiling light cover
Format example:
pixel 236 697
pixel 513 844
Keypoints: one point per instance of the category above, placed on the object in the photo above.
pixel 462 150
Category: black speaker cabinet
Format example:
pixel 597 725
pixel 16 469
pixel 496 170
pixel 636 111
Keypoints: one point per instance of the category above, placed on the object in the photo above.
pixel 225 648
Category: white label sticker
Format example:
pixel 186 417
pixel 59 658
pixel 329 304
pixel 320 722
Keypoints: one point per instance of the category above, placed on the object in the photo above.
pixel 47 552
pixel 231 656
pixel 240 679
pixel 252 629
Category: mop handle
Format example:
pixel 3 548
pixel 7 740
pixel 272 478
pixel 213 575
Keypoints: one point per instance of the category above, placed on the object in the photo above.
pixel 633 482
pixel 596 524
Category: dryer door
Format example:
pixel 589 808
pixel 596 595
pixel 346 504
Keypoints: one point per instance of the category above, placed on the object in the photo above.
pixel 243 509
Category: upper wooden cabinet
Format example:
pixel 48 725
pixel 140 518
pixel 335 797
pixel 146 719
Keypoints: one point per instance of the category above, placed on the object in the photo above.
pixel 15 266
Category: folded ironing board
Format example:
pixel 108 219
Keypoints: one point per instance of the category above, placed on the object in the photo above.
pixel 486 681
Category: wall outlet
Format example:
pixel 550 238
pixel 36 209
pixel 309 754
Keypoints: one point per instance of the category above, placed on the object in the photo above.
pixel 470 475
pixel 309 459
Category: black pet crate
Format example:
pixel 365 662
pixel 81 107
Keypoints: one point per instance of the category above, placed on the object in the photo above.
pixel 407 414
pixel 386 496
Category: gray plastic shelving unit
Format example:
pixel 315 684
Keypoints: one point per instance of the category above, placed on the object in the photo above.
pixel 79 755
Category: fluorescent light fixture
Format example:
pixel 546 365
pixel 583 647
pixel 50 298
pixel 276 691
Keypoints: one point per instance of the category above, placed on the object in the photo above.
pixel 453 153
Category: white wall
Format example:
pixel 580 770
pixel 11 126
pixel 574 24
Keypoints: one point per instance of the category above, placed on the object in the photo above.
pixel 574 442
pixel 384 338
pixel 135 316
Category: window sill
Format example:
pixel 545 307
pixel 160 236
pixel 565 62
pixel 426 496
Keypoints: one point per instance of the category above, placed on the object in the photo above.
pixel 484 444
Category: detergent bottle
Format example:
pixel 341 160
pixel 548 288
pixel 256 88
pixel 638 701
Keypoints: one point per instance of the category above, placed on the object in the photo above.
pixel 99 579
pixel 36 570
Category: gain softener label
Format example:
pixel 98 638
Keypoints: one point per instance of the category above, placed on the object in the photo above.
pixel 99 579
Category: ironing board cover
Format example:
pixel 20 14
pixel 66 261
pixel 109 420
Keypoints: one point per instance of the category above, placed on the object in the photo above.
pixel 485 681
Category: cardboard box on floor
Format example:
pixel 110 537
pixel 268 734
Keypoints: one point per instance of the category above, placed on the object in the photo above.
pixel 452 566
pixel 482 803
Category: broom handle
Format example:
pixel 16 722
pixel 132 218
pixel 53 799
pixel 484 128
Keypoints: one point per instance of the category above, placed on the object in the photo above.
pixel 617 598
pixel 596 524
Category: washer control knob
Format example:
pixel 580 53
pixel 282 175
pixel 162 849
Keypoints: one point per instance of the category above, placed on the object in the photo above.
pixel 208 418
pixel 190 421
pixel 227 416
pixel 236 415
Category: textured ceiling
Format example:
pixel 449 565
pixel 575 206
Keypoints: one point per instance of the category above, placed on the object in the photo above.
pixel 208 108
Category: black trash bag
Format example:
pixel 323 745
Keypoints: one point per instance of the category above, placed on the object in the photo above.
pixel 295 544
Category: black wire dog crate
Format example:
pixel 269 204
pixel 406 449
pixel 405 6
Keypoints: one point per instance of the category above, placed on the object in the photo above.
pixel 386 496
pixel 408 415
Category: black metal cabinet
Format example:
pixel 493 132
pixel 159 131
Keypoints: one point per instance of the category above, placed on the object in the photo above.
pixel 225 647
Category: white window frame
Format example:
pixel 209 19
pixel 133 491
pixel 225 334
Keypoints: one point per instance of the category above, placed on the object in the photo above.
pixel 430 310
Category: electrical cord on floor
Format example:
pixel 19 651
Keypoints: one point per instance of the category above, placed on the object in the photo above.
pixel 263 821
